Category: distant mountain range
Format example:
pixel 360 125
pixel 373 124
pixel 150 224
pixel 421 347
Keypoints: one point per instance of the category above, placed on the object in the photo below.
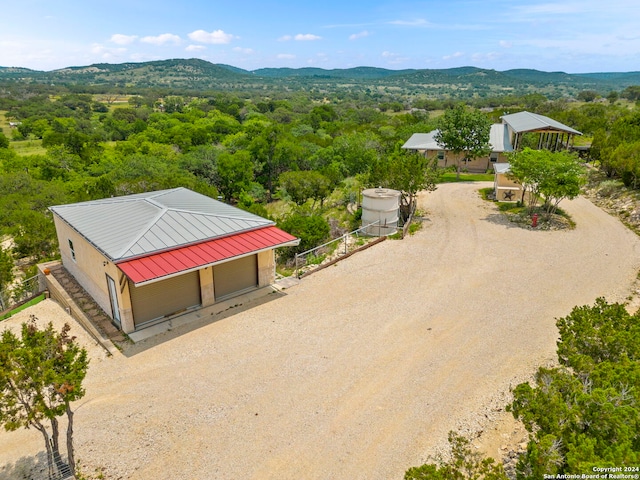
pixel 200 75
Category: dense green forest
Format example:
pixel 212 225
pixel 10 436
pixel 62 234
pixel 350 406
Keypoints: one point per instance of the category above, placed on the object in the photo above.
pixel 297 156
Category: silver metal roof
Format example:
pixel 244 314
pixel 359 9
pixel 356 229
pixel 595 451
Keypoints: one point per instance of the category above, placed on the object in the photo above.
pixel 423 141
pixel 141 224
pixel 501 167
pixel 529 122
pixel 498 139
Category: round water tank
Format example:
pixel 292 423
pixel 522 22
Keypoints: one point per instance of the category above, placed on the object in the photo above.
pixel 380 208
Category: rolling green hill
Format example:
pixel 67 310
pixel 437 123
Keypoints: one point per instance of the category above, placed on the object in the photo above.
pixel 196 74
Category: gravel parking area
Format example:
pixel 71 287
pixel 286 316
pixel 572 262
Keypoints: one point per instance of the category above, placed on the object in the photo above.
pixel 360 370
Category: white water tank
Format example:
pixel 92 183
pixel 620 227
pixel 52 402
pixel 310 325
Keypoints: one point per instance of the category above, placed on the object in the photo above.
pixel 380 207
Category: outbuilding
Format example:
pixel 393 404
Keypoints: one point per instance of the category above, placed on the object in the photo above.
pixel 505 188
pixel 150 256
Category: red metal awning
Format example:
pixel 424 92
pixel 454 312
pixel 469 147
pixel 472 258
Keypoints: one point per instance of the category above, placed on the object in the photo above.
pixel 180 260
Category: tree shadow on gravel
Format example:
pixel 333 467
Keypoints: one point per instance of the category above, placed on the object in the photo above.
pixel 26 468
pixel 503 220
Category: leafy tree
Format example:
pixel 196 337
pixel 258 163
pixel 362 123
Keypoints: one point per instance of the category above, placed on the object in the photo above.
pixel 553 175
pixel 563 178
pixel 586 412
pixel 632 93
pixel 41 374
pixel 625 160
pixel 587 95
pixel 465 464
pixel 4 141
pixel 358 152
pixel 306 184
pixel 464 131
pixel 263 152
pixel 6 272
pixel 312 230
pixel 408 172
pixel 235 173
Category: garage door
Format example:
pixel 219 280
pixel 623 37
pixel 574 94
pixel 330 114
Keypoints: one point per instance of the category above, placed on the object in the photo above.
pixel 166 297
pixel 235 277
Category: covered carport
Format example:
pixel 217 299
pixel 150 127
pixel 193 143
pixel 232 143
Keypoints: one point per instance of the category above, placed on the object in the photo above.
pixel 552 135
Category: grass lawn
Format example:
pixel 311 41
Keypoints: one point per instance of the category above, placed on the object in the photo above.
pixel 28 147
pixel 31 302
pixel 450 177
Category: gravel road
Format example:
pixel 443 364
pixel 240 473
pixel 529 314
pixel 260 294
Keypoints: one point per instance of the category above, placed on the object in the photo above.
pixel 360 370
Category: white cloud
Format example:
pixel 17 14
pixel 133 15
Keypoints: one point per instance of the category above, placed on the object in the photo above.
pixel 217 37
pixel 505 44
pixel 393 58
pixel 285 56
pixel 453 55
pixel 108 53
pixel 121 39
pixel 418 22
pixel 163 39
pixel 479 58
pixel 195 48
pixel 356 36
pixel 305 37
pixel 285 38
pixel 246 51
pixel 549 9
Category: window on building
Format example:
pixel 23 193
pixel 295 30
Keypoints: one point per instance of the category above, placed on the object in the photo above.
pixel 73 252
pixel 494 158
pixel 440 155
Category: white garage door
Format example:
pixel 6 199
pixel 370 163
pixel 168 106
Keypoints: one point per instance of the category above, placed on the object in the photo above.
pixel 166 297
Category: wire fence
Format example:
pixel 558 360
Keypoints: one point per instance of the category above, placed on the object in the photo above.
pixel 19 293
pixel 337 247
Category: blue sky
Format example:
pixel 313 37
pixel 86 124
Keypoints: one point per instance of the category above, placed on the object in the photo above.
pixel 573 36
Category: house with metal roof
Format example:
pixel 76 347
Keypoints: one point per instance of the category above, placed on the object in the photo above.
pixel 504 137
pixel 428 146
pixel 150 256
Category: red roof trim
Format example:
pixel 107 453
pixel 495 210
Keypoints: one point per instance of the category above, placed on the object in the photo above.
pixel 164 264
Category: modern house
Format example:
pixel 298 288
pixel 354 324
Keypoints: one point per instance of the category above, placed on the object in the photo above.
pixel 147 257
pixel 428 146
pixel 504 138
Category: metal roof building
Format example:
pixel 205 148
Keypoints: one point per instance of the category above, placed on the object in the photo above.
pixel 138 225
pixel 149 256
pixel 498 139
pixel 553 135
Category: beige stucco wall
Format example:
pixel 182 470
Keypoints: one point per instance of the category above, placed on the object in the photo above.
pixel 90 268
pixel 266 268
pixel 207 291
pixel 504 184
pixel 477 165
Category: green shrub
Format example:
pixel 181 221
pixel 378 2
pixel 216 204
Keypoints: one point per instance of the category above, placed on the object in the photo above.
pixel 312 230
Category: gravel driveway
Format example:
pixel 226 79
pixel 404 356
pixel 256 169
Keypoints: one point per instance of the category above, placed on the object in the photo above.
pixel 361 370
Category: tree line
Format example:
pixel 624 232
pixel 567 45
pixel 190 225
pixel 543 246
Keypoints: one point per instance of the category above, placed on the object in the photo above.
pixel 308 149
